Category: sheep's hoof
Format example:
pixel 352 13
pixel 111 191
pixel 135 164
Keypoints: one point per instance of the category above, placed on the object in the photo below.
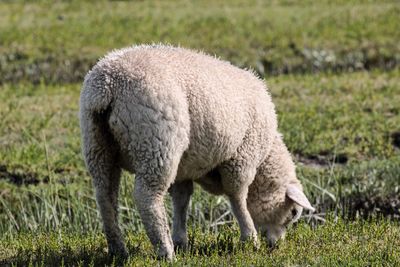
pixel 272 244
pixel 253 240
pixel 165 255
pixel 118 251
pixel 180 245
pixel 256 244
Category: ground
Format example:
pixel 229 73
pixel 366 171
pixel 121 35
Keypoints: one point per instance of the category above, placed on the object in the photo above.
pixel 332 70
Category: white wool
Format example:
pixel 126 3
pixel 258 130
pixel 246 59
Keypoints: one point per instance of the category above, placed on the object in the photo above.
pixel 173 116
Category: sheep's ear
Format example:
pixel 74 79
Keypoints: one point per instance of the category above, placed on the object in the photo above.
pixel 295 194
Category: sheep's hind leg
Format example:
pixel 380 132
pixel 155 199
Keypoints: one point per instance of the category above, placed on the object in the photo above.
pixel 149 198
pixel 236 179
pixel 180 193
pixel 100 155
pixel 107 200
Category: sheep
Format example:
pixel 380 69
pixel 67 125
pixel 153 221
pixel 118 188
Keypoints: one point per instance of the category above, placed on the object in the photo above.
pixel 173 117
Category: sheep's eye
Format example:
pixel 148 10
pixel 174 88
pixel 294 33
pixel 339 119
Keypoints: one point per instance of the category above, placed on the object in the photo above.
pixel 294 212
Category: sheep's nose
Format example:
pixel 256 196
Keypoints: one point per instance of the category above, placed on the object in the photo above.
pixel 271 243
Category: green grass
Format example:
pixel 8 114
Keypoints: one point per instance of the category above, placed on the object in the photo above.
pixel 336 243
pixel 331 67
pixel 352 114
pixel 270 36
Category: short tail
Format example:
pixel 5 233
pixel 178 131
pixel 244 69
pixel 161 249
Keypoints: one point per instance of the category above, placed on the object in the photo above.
pixel 95 106
pixel 96 95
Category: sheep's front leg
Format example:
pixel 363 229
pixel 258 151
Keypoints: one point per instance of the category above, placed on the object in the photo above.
pixel 149 199
pixel 180 193
pixel 239 208
pixel 236 177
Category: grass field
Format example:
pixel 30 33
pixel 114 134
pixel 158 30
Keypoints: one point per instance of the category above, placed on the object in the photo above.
pixel 333 72
pixel 357 243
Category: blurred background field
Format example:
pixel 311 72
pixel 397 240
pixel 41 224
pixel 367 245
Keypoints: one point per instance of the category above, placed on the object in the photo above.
pixel 332 68
pixel 58 42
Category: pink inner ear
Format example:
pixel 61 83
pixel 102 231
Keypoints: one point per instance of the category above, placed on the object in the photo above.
pixel 295 194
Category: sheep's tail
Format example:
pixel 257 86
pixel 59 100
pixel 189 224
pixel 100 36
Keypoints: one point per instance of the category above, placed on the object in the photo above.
pixel 95 107
pixel 96 95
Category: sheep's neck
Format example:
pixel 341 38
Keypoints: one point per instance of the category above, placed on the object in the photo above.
pixel 273 175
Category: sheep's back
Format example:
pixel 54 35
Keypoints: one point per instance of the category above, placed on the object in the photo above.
pixel 223 102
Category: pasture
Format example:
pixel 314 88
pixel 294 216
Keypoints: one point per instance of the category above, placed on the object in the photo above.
pixel 332 69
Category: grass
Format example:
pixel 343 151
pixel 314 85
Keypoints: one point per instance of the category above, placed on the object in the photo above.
pixel 333 72
pixel 354 115
pixel 273 37
pixel 358 243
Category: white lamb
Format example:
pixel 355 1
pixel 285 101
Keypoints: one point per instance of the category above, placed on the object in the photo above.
pixel 174 117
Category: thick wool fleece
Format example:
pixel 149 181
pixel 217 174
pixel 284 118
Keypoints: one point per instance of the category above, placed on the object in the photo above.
pixel 173 116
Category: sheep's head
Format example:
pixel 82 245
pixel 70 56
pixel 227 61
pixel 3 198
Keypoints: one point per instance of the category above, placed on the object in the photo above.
pixel 274 213
pixel 276 199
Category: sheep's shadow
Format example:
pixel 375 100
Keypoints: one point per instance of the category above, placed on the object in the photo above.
pixel 199 245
